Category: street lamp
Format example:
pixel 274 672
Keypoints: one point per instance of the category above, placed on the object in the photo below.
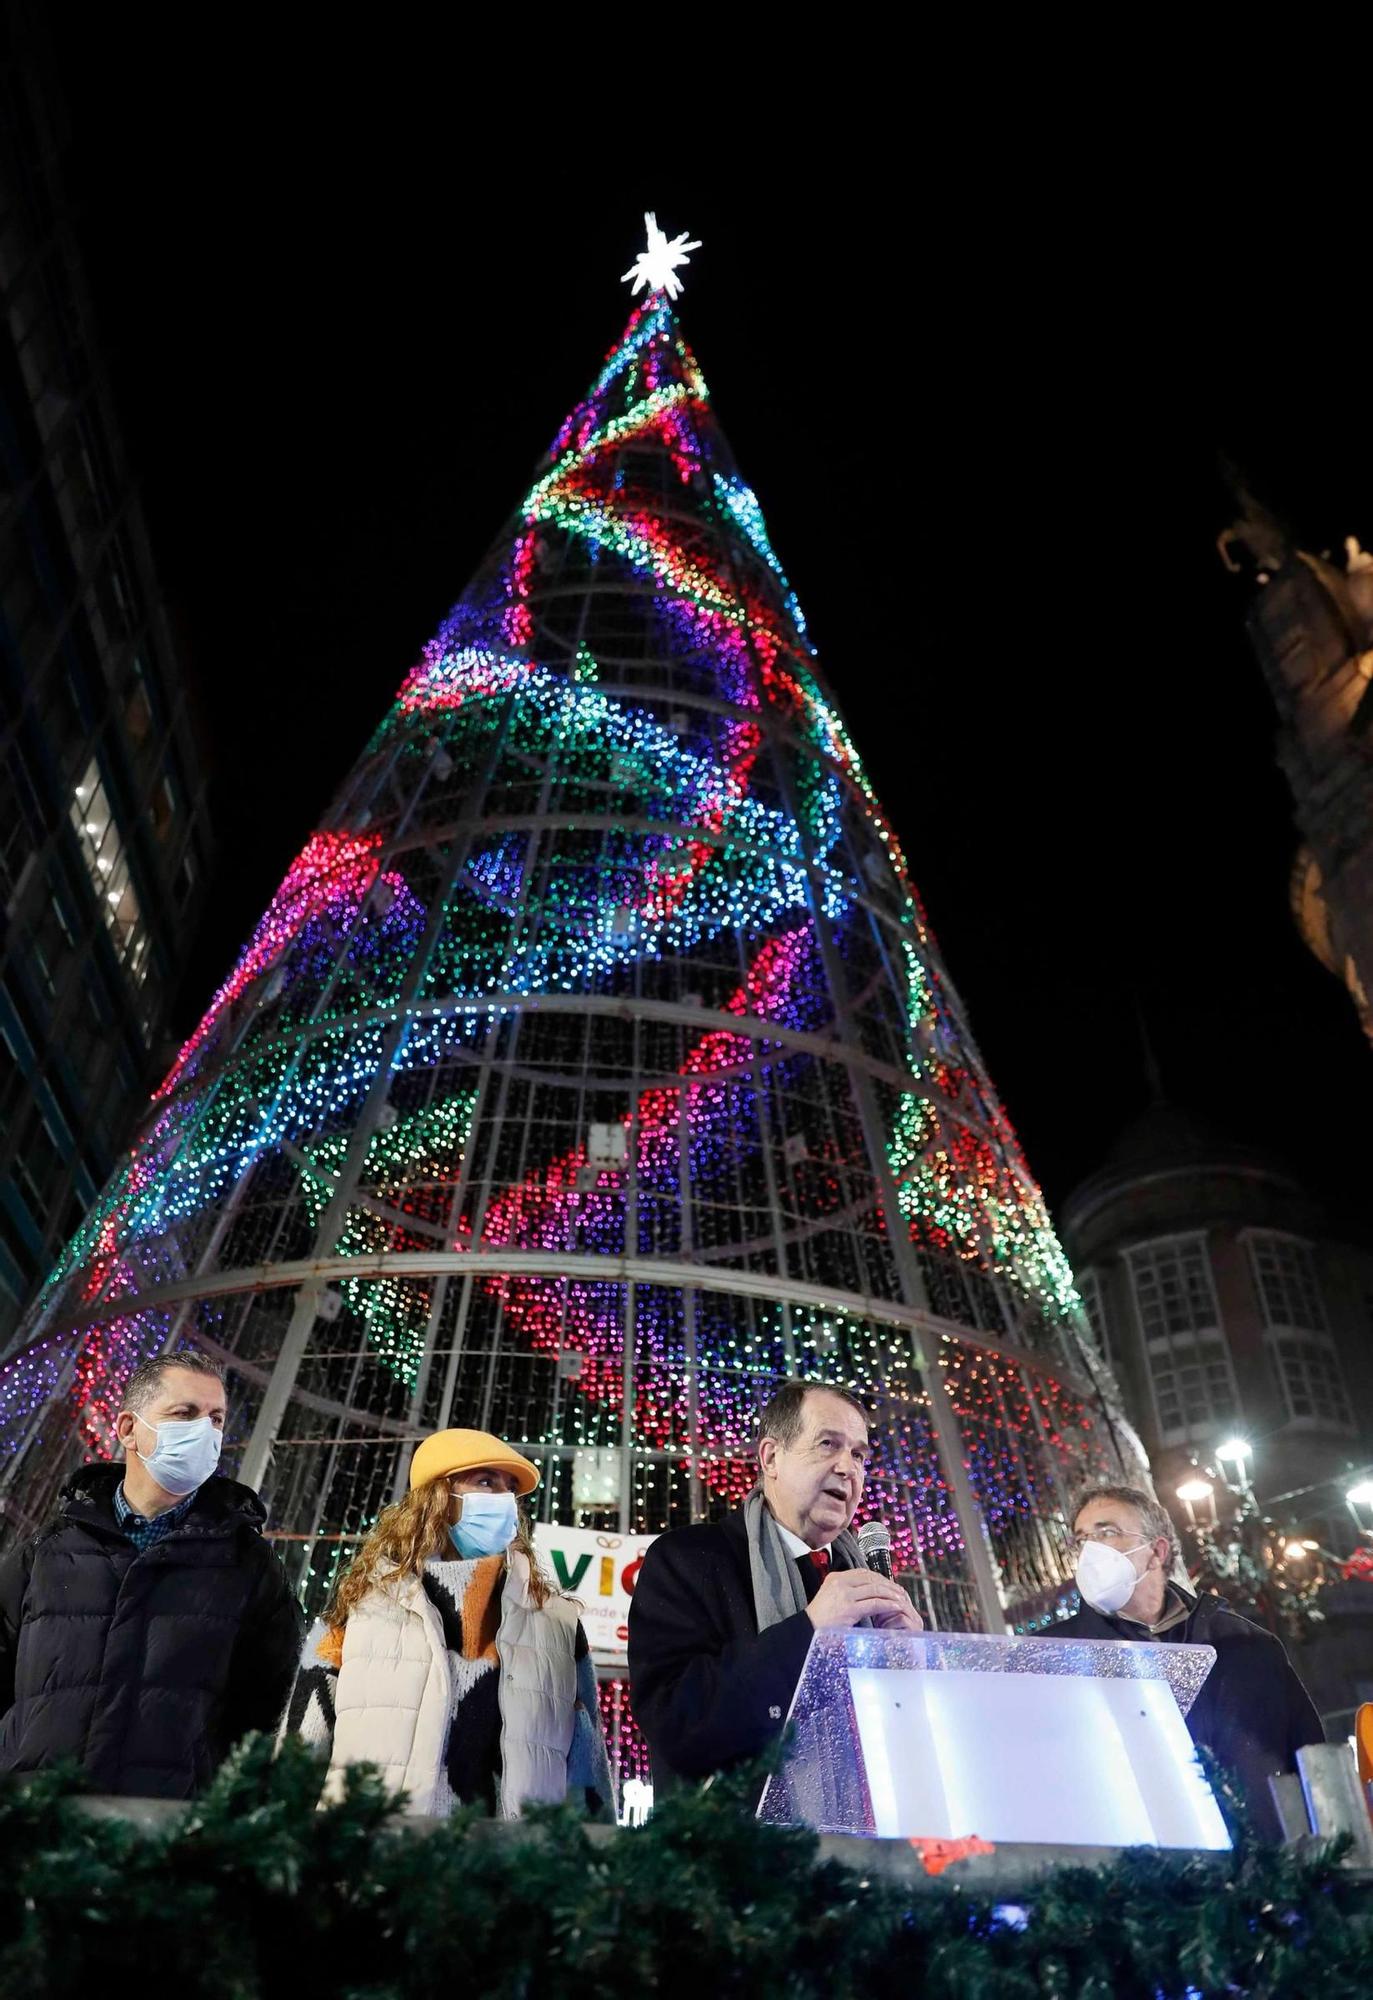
pixel 1195 1493
pixel 1237 1451
pixel 1359 1500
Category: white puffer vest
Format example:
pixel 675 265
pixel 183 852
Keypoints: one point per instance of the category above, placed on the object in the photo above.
pixel 394 1692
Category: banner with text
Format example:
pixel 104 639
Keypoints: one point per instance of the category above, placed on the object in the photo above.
pixel 600 1570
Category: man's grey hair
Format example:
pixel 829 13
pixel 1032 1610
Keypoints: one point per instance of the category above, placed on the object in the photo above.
pixel 781 1416
pixel 1157 1521
pixel 145 1381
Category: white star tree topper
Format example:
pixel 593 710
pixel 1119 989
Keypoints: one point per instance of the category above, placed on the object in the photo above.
pixel 657 266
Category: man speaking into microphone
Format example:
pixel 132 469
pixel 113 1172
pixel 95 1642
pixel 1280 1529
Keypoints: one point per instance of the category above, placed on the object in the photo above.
pixel 723 1613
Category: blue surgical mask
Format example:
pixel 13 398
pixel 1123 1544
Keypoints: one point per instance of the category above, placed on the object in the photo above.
pixel 187 1453
pixel 487 1524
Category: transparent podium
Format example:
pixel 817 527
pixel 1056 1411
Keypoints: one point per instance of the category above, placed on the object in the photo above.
pixel 1067 1742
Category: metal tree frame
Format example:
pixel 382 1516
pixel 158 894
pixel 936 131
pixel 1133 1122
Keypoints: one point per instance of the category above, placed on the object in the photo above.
pixel 593 1069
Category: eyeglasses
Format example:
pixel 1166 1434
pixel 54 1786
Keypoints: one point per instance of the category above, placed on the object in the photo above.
pixel 1107 1532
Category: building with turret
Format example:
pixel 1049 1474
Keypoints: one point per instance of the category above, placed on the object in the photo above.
pixel 1227 1307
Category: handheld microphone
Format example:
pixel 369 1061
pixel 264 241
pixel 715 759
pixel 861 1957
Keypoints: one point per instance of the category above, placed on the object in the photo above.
pixel 874 1545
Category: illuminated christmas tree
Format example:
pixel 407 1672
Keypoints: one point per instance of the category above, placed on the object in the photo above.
pixel 593 1067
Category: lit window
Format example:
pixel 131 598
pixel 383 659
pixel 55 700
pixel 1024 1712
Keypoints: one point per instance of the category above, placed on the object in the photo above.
pixel 1285 1272
pixel 1304 1357
pixel 1194 1393
pixel 1312 1385
pixel 1189 1365
pixel 1173 1290
pixel 103 852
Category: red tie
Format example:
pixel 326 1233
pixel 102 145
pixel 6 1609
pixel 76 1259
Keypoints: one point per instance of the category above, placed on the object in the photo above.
pixel 821 1559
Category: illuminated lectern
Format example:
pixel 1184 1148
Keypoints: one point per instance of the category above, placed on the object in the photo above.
pixel 1069 1742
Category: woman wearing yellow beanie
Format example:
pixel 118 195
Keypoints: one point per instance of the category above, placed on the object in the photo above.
pixel 448 1658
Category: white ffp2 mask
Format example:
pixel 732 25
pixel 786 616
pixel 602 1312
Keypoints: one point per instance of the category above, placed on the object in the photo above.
pixel 1106 1577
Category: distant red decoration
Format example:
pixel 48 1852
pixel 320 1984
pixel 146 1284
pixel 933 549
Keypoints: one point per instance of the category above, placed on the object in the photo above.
pixel 938 1854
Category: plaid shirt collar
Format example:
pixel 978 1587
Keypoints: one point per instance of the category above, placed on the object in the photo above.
pixel 146 1534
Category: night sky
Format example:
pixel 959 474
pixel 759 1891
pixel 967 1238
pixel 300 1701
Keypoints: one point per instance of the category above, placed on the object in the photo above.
pixel 343 308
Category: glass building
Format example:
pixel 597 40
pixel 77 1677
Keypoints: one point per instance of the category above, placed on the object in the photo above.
pixel 103 827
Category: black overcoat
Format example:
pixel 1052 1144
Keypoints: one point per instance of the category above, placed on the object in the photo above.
pixel 708 1689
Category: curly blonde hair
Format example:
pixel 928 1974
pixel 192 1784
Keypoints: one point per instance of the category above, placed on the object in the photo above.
pixel 405 1536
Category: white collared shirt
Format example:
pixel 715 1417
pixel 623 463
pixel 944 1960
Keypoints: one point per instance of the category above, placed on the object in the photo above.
pixel 794 1545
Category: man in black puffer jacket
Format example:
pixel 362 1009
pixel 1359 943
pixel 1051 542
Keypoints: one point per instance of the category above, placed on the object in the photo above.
pixel 148 1626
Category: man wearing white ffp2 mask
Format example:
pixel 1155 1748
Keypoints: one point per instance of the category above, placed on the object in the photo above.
pixel 1252 1711
pixel 157 1625
pixel 1107 1577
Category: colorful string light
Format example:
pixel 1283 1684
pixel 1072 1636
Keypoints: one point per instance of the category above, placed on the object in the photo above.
pixel 606 956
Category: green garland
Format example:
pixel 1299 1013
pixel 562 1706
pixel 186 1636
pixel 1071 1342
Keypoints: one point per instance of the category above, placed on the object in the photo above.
pixel 257 1895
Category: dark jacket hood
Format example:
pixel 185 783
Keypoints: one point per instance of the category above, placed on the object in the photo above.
pixel 218 1500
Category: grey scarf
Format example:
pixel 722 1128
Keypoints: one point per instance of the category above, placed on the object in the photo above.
pixel 778 1591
